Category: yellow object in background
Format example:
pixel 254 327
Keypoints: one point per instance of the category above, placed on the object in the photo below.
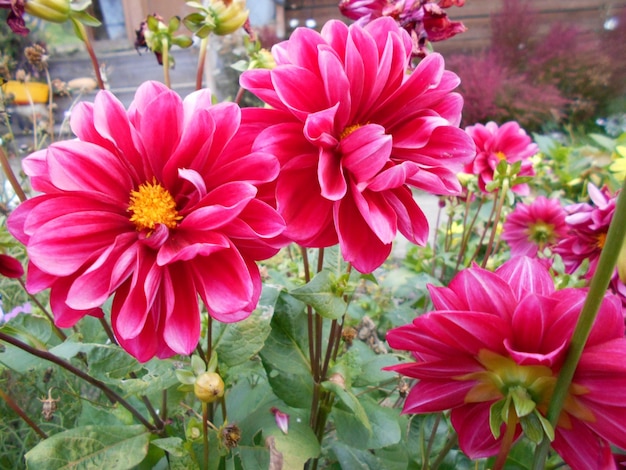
pixel 21 90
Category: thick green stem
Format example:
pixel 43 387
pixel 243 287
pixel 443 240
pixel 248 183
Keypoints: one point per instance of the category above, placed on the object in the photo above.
pixel 204 42
pixel 165 48
pixel 597 289
pixel 84 36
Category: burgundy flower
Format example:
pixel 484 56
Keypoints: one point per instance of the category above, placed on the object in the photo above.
pixel 531 228
pixel 424 20
pixel 496 143
pixel 15 19
pixel 154 206
pixel 353 132
pixel 500 339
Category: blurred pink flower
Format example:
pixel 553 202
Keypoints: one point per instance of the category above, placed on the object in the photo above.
pixel 156 205
pixel 496 143
pixel 496 335
pixel 588 224
pixel 353 131
pixel 531 228
pixel 282 419
pixel 362 10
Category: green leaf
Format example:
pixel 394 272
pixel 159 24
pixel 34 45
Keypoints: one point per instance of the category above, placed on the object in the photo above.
pixel 384 423
pixel 172 445
pixel 185 376
pixel 118 447
pixel 522 401
pixel 237 342
pixel 321 294
pixel 197 365
pixel 532 428
pixel 285 353
pixel 110 362
pixel 350 458
pixel 603 141
pixel 352 422
pixel 86 19
pixel 495 417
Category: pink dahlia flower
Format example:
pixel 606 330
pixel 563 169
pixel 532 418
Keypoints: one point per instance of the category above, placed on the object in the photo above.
pixel 353 132
pixel 500 339
pixel 496 143
pixel 533 227
pixel 156 205
pixel 588 225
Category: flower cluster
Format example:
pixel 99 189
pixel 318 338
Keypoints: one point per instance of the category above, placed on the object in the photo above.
pixel 491 352
pixel 157 211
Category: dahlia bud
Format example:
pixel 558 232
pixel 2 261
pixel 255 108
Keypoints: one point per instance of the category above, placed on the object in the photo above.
pixel 208 387
pixel 55 11
pixel 228 18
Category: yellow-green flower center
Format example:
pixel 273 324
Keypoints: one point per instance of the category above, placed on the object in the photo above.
pixel 151 205
pixel 529 388
pixel 541 233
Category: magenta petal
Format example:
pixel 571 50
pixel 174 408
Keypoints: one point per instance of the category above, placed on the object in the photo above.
pixel 365 151
pixel 484 291
pixel 182 322
pixel 226 284
pixel 526 275
pixel 430 396
pixel 10 267
pixel 471 423
pixel 582 449
pixel 50 246
pixel 331 177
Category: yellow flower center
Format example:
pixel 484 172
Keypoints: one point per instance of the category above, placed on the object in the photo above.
pixel 601 237
pixel 151 205
pixel 502 375
pixel 349 130
pixel 501 156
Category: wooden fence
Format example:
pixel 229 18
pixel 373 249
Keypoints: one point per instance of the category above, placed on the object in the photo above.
pixel 588 15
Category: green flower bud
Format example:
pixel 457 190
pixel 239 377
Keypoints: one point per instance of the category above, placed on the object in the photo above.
pixel 228 19
pixel 208 387
pixel 55 11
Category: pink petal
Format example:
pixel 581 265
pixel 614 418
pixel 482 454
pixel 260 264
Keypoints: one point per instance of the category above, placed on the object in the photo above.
pixel 429 396
pixel 471 423
pixel 181 331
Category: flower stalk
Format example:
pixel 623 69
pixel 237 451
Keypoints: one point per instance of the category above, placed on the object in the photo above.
pixel 111 394
pixel 22 414
pixel 597 289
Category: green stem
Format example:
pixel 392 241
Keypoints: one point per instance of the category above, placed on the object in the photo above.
pixel 8 171
pixel 595 296
pixel 494 228
pixel 204 42
pixel 83 36
pixel 20 412
pixel 165 48
pixel 205 434
pixel 111 394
